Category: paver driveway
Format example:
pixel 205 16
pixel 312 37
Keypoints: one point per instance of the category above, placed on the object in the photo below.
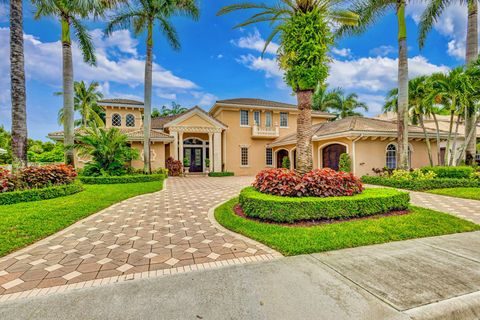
pixel 168 231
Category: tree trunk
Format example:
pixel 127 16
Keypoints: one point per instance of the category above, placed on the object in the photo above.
pixel 471 55
pixel 427 141
pixel 147 115
pixel 450 129
pixel 17 74
pixel 439 156
pixel 68 105
pixel 304 131
pixel 402 123
pixel 453 155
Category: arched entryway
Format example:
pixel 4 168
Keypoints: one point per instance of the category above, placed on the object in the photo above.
pixel 331 155
pixel 282 153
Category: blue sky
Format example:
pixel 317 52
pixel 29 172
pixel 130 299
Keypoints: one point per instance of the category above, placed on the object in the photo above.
pixel 216 62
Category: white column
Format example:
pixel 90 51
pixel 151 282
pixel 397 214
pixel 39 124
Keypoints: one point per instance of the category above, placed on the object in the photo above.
pixel 217 152
pixel 180 146
pixel 174 148
pixel 210 150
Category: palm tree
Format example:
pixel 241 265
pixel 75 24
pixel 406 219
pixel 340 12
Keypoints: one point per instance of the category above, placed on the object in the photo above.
pixel 429 17
pixel 85 102
pixel 70 13
pixel 302 53
pixel 142 17
pixel 324 98
pixel 369 11
pixel 17 77
pixel 344 105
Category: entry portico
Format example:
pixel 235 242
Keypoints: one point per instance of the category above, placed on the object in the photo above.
pixel 197 136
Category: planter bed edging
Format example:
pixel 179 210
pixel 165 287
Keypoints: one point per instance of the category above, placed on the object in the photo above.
pixel 40 194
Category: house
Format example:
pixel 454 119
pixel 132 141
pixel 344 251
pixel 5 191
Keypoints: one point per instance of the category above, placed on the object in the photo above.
pixel 245 136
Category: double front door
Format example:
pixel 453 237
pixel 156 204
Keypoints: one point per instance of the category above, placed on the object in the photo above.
pixel 195 155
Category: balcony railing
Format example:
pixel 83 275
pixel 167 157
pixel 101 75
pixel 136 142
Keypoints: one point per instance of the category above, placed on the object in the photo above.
pixel 265 132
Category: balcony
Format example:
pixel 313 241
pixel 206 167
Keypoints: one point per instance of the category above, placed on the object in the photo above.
pixel 265 133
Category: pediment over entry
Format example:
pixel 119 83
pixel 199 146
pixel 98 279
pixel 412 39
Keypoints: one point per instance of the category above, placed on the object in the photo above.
pixel 196 117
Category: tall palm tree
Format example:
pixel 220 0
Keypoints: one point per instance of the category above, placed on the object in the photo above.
pixel 302 53
pixel 85 102
pixel 429 17
pixel 143 16
pixel 17 76
pixel 344 105
pixel 70 13
pixel 369 12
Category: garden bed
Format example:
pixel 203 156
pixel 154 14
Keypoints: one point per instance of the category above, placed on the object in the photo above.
pixel 421 185
pixel 292 209
pixel 40 193
pixel 122 179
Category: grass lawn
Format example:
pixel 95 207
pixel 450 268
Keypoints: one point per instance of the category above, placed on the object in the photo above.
pixel 24 223
pixel 299 240
pixel 466 193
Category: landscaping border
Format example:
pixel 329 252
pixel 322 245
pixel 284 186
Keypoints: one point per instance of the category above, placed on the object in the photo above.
pixel 122 179
pixel 40 194
pixel 290 209
pixel 421 185
pixel 221 174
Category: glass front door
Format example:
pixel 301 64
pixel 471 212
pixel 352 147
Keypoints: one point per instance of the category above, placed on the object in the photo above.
pixel 196 159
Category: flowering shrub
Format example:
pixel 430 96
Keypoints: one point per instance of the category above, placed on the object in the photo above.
pixel 174 167
pixel 330 183
pixel 417 174
pixel 280 182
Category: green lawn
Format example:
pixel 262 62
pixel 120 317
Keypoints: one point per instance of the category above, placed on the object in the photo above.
pixel 467 193
pixel 24 223
pixel 299 240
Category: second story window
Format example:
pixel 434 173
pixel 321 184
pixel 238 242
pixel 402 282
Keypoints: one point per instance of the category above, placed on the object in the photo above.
pixel 116 120
pixel 256 118
pixel 268 119
pixel 244 118
pixel 130 120
pixel 284 119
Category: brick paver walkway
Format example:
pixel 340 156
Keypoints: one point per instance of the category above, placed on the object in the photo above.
pixel 155 234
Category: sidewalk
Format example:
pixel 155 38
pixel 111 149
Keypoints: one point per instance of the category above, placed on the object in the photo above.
pixel 431 278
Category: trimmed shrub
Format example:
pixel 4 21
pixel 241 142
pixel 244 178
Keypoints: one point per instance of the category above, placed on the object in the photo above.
pixel 174 167
pixel 330 183
pixel 290 209
pixel 281 182
pixel 221 174
pixel 462 172
pixel 123 179
pixel 345 163
pixel 286 163
pixel 44 176
pixel 39 194
pixel 420 185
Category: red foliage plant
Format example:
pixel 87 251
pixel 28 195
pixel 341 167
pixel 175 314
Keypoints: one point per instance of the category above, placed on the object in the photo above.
pixel 174 167
pixel 5 180
pixel 316 183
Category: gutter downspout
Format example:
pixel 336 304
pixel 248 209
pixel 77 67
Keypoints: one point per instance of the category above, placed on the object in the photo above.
pixel 354 152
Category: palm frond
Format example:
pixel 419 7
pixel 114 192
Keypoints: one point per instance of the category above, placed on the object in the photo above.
pixel 85 42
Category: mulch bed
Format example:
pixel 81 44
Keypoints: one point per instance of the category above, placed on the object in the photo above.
pixel 309 223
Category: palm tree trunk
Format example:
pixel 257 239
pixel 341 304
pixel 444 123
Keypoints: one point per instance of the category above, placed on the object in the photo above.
pixel 304 131
pixel 450 129
pixel 453 155
pixel 147 115
pixel 17 74
pixel 68 111
pixel 427 141
pixel 439 156
pixel 402 123
pixel 471 55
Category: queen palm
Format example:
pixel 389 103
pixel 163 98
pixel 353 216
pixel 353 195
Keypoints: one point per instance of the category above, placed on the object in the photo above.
pixel 323 97
pixel 70 13
pixel 143 16
pixel 304 31
pixel 344 105
pixel 429 17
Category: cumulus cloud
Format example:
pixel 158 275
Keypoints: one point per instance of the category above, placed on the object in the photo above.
pixel 254 41
pixel 344 52
pixel 205 99
pixel 383 50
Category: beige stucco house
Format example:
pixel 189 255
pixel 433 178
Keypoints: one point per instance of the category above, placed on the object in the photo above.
pixel 245 136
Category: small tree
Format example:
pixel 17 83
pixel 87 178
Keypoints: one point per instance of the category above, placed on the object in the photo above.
pixel 286 163
pixel 345 163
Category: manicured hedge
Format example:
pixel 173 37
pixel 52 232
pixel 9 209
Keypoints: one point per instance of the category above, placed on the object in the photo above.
pixel 220 174
pixel 290 209
pixel 39 194
pixel 462 172
pixel 122 179
pixel 421 185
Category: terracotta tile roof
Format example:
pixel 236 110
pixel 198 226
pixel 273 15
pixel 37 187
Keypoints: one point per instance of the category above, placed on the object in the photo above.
pixel 132 134
pixel 159 122
pixel 121 101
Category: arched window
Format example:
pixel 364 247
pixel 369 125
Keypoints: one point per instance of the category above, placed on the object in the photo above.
pixel 116 120
pixel 391 159
pixel 130 120
pixel 192 141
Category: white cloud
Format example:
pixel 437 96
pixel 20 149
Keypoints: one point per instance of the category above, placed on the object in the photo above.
pixel 220 56
pixel 374 102
pixel 344 52
pixel 383 51
pixel 267 65
pixel 166 95
pixel 254 41
pixel 205 99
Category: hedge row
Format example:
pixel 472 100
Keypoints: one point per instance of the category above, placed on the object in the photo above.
pixel 421 185
pixel 462 172
pixel 122 179
pixel 39 194
pixel 220 174
pixel 289 209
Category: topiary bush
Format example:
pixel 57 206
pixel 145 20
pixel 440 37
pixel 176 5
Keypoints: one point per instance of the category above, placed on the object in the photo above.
pixel 330 183
pixel 286 163
pixel 174 167
pixel 122 179
pixel 461 172
pixel 345 163
pixel 281 182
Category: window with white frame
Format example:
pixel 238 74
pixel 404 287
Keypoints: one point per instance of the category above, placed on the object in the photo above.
pixel 391 156
pixel 130 120
pixel 269 157
pixel 268 119
pixel 116 120
pixel 256 118
pixel 284 119
pixel 244 156
pixel 244 117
